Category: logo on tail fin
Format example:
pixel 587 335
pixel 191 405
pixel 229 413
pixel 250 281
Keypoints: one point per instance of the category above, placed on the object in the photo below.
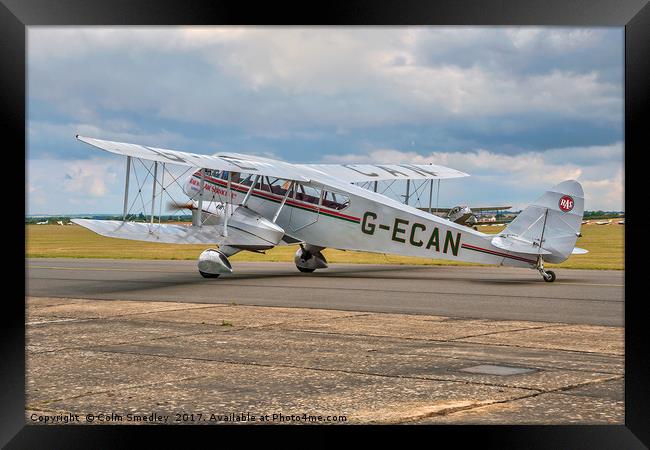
pixel 566 203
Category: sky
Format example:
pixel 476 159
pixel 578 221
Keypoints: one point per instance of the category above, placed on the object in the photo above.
pixel 518 108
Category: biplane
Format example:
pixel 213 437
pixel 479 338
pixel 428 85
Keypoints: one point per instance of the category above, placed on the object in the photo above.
pixel 243 202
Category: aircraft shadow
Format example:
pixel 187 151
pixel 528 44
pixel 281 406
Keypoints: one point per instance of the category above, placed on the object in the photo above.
pixel 99 287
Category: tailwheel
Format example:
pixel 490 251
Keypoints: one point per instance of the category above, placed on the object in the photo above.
pixel 548 275
pixel 209 275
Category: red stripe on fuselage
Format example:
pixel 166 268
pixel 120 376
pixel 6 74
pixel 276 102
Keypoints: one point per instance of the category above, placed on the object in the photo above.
pixel 505 255
pixel 243 188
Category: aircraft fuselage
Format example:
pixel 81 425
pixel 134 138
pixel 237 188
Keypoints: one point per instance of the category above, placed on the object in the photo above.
pixel 358 223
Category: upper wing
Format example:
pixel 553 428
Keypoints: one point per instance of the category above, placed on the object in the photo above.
pixel 221 161
pixel 235 162
pixel 353 173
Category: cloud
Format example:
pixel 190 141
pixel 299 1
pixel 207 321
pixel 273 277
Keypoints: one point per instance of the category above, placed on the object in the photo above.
pixel 73 186
pixel 520 178
pixel 96 185
pixel 90 177
pixel 554 38
pixel 261 78
pixel 45 136
pixel 607 193
pixel 507 104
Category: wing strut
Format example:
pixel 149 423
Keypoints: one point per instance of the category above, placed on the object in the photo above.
pixel 284 199
pixel 408 193
pixel 248 194
pixel 153 189
pixel 201 187
pixel 227 205
pixel 126 188
pixel 162 193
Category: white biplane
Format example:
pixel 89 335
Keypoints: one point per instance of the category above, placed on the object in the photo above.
pixel 243 202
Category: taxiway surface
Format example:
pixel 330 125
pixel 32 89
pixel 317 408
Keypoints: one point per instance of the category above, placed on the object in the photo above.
pixel 591 297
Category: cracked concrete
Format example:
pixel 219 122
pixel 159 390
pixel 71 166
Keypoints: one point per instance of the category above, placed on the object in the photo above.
pixel 92 357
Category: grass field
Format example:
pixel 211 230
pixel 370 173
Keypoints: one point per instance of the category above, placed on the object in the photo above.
pixel 605 245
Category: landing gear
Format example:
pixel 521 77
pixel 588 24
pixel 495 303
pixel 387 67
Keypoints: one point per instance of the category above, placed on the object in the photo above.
pixel 309 258
pixel 547 275
pixel 209 275
pixel 213 263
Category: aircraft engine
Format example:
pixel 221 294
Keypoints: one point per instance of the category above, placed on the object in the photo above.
pixel 260 231
pixel 309 258
pixel 247 230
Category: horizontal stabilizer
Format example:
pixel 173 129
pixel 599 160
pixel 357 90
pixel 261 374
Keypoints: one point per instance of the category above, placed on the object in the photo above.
pixel 514 244
pixel 171 234
pixel 579 251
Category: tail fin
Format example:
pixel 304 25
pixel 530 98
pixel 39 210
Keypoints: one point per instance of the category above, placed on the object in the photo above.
pixel 549 226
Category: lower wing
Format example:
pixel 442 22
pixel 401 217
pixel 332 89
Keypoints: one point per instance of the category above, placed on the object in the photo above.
pixel 172 234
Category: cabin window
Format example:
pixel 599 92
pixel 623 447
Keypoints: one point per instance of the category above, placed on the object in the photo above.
pixel 279 186
pixel 223 175
pixel 307 194
pixel 264 184
pixel 248 180
pixel 335 200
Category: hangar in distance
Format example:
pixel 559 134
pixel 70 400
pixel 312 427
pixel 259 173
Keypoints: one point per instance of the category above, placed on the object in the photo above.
pixel 250 203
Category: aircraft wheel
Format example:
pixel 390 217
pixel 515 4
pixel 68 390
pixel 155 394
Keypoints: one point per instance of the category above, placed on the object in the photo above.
pixel 549 276
pixel 209 275
pixel 302 269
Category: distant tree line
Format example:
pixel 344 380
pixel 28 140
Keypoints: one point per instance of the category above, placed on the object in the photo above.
pixel 136 218
pixel 603 214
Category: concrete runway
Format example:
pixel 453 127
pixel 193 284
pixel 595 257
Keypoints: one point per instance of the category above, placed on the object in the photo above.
pixel 117 362
pixel 577 297
pixel 107 339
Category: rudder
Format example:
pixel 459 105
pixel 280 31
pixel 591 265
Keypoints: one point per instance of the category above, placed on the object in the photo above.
pixel 552 222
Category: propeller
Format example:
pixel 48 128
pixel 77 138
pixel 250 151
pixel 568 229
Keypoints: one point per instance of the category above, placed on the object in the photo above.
pixel 175 206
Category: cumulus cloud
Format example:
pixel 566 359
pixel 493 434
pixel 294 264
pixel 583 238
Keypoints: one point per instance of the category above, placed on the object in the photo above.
pixel 44 135
pixel 301 77
pixel 507 104
pixel 65 186
pixel 519 178
pixel 90 177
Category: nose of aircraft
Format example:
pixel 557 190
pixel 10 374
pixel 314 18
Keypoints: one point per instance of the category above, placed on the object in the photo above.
pixel 192 185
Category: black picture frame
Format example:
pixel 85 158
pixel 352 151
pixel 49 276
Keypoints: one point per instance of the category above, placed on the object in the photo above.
pixel 634 15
